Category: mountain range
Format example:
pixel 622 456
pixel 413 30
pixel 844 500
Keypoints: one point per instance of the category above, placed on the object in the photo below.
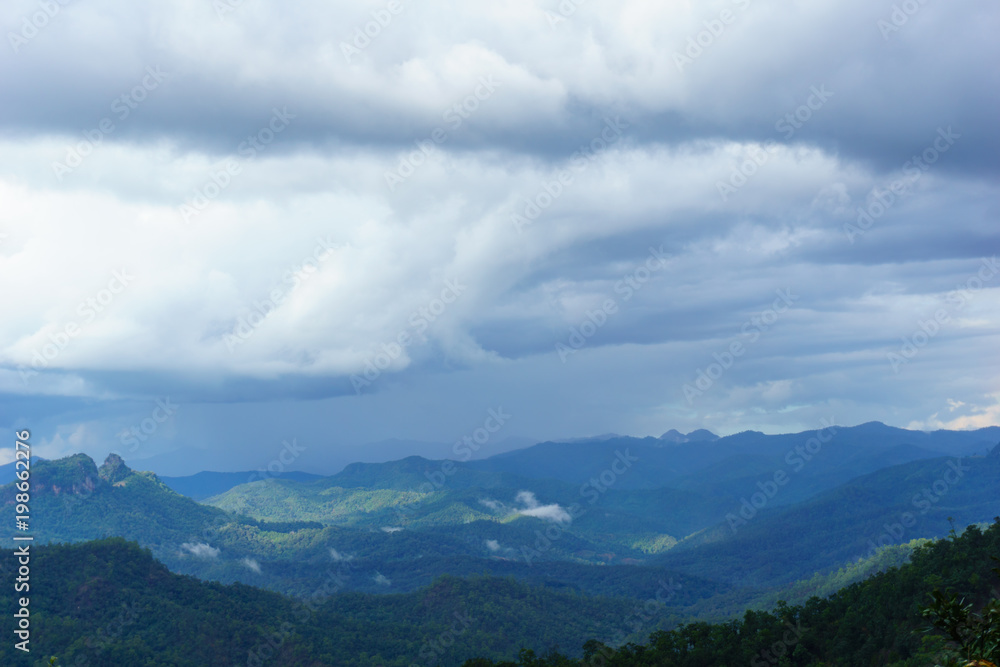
pixel 733 522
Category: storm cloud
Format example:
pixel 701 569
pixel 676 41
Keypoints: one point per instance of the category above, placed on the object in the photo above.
pixel 350 222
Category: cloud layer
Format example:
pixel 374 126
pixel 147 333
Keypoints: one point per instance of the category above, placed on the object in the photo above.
pixel 580 215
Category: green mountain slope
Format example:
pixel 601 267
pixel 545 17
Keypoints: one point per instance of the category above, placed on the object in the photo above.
pixel 875 622
pixel 109 603
pixel 769 547
pixel 207 484
pixel 847 452
pixel 74 500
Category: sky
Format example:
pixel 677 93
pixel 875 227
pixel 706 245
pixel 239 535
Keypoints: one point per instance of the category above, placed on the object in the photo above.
pixel 238 231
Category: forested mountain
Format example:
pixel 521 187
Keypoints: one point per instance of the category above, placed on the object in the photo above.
pixel 699 461
pixel 876 622
pixel 405 532
pixel 204 485
pixel 398 527
pixel 109 603
pixel 774 546
pixel 840 454
pixel 77 501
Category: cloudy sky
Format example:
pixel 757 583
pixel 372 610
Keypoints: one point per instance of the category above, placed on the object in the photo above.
pixel 228 224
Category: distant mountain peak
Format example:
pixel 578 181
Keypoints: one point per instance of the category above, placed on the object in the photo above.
pixel 594 438
pixel 114 469
pixel 873 425
pixel 700 435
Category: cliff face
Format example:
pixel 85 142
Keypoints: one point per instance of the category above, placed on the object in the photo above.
pixel 72 475
pixel 114 469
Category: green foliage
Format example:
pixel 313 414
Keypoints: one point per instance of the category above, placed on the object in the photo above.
pixel 874 622
pixel 109 603
pixel 975 636
pixel 780 545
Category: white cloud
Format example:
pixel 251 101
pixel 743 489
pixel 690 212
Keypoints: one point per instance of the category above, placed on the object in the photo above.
pixel 493 545
pixel 976 416
pixel 192 285
pixel 201 550
pixel 553 512
pixel 494 505
pixel 62 240
pixel 338 557
pixel 526 498
pixel 250 564
pixel 381 579
pixel 549 512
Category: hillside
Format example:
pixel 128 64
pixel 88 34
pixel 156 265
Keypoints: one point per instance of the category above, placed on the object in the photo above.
pixel 75 501
pixel 874 622
pixel 841 454
pixel 398 538
pixel 206 484
pixel 110 603
pixel 778 545
pixel 673 459
pixel 705 529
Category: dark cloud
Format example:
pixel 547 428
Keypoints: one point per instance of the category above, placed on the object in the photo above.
pixel 752 166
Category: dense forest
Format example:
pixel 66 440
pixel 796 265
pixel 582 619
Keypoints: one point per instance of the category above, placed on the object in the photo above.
pixel 950 586
pixel 363 571
pixel 108 602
